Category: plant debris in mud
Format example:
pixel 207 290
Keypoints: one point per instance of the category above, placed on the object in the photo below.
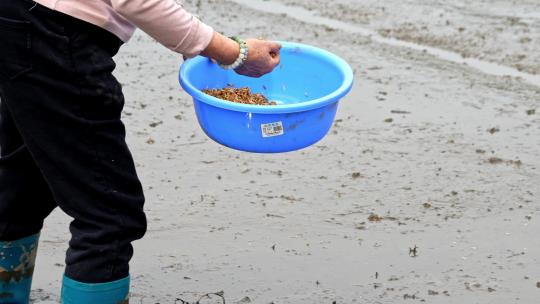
pixel 413 252
pixel 240 95
pixel 493 130
pixel 375 218
pixel 356 175
pixel 219 294
pixel 497 160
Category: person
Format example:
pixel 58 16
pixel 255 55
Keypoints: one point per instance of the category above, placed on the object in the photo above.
pixel 62 142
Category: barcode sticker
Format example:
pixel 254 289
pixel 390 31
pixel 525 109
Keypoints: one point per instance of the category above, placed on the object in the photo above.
pixel 272 129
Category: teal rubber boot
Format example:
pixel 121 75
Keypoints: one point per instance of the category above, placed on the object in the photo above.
pixel 116 292
pixel 17 261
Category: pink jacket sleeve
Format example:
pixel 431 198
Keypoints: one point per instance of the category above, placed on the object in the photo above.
pixel 167 22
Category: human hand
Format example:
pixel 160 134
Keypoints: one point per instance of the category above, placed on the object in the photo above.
pixel 263 57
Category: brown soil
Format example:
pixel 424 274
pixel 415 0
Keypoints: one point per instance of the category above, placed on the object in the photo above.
pixel 240 95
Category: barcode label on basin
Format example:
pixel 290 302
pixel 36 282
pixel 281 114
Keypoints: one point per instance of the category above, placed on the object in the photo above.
pixel 272 129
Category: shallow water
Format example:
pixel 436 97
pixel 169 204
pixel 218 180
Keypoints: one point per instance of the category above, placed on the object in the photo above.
pixel 305 15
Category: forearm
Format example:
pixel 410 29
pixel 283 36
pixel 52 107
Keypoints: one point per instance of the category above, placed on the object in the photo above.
pixel 167 22
pixel 171 25
pixel 222 49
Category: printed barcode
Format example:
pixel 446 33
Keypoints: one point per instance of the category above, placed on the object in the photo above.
pixel 272 129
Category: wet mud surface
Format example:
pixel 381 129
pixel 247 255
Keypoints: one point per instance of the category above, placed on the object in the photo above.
pixel 425 190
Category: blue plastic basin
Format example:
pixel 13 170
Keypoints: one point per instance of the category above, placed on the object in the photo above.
pixel 307 86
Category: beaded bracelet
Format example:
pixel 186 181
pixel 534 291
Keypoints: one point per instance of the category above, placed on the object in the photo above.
pixel 241 57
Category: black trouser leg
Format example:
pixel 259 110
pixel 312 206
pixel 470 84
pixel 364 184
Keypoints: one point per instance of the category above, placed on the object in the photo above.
pixel 65 104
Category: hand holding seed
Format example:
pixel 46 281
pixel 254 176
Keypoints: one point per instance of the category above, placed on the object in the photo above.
pixel 263 57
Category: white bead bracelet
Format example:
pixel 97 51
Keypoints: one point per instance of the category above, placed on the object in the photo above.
pixel 242 56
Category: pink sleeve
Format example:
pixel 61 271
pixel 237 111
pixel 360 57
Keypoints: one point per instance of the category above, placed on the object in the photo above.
pixel 167 22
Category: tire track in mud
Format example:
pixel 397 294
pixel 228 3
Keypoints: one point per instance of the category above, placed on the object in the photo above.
pixel 307 16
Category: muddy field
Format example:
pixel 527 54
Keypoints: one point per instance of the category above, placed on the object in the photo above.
pixel 426 189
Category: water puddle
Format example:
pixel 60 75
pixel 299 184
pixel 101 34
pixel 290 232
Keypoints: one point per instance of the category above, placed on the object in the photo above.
pixel 311 17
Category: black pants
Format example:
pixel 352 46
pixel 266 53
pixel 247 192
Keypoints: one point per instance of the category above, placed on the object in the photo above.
pixel 62 142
